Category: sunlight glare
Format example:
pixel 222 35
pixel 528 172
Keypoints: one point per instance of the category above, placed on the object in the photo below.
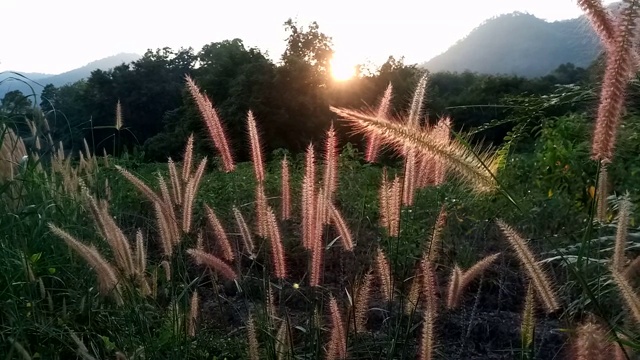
pixel 341 69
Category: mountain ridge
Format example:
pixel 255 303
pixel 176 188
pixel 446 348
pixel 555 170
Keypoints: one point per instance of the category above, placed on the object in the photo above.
pixel 37 81
pixel 522 44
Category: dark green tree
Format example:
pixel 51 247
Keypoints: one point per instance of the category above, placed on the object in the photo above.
pixel 237 80
pixel 48 98
pixel 146 89
pixel 67 112
pixel 15 102
pixel 152 87
pixel 301 84
pixel 310 47
pixel 567 74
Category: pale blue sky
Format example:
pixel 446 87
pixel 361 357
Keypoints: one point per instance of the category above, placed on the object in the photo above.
pixel 53 36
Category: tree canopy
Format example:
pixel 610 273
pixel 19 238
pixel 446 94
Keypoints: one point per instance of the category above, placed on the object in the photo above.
pixel 290 98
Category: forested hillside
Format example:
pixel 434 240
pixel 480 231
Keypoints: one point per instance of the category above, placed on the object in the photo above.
pixel 521 44
pixel 33 83
pixel 290 98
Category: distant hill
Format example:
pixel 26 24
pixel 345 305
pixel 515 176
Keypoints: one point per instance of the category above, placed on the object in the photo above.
pixel 521 44
pixel 34 76
pixel 40 80
pixel 7 83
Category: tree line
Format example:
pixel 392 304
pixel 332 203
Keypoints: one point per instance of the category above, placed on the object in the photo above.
pixel 290 98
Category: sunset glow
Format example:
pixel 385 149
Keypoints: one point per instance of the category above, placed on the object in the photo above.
pixel 341 69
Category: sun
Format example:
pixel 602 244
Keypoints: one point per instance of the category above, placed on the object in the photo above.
pixel 342 69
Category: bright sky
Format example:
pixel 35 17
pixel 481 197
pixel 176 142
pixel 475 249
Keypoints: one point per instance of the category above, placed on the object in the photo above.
pixel 56 36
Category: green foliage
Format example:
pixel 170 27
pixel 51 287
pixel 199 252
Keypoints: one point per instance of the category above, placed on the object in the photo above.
pixel 310 47
pixel 15 102
pixel 50 304
pixel 563 156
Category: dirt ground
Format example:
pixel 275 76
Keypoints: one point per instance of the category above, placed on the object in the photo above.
pixel 485 326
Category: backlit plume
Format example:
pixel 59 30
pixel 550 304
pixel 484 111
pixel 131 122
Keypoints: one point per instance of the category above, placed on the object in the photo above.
pixel 261 210
pixel 223 241
pixel 286 196
pixel 308 198
pixel 256 149
pixel 474 166
pixel 373 143
pixel 186 162
pixel 341 226
pixel 315 240
pixel 213 123
pixel 337 347
pixel 430 313
pixel 390 204
pixel 411 158
pixel 213 262
pixel 330 169
pixel 619 65
pixel 245 233
pixel 538 277
pixel 277 250
pixel 383 270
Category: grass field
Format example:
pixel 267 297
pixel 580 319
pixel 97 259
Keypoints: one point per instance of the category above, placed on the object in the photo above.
pixel 420 245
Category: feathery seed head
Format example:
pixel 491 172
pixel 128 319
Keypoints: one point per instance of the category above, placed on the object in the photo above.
pixel 619 65
pixel 252 337
pixel 602 192
pixel 330 168
pixel 471 165
pixel 119 122
pixel 413 298
pixel 410 177
pixel 308 198
pixel 261 210
pixel 453 292
pixel 539 278
pixel 417 102
pixel 591 342
pixel 361 306
pixel 213 123
pixel 166 235
pixel 384 274
pixel 108 280
pixel 601 21
pixel 373 143
pixel 176 187
pixel 277 250
pixel 247 239
pixel 139 184
pixel 284 185
pixel 221 235
pixel 194 310
pixel 341 225
pixel 528 324
pixel 619 258
pixel 629 295
pixel 429 291
pixel 315 240
pixel 141 253
pixel 384 201
pixel 337 347
pixel 436 236
pixel 213 262
pixel 476 270
pixel 188 156
pixel 256 148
